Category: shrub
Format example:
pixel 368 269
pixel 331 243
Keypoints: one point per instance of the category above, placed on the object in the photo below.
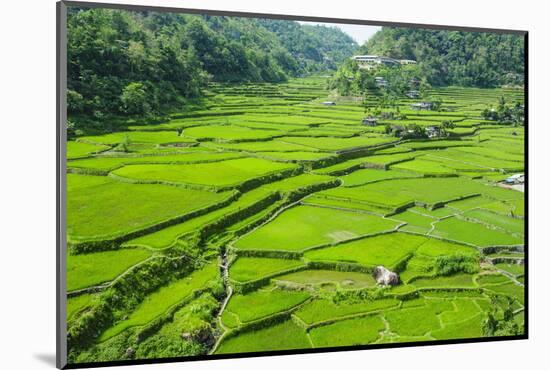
pixel 124 144
pixel 452 264
pixel 75 101
pixel 134 99
pixel 354 296
pixel 500 320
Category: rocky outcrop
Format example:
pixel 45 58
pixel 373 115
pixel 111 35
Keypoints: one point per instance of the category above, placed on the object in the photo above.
pixel 385 277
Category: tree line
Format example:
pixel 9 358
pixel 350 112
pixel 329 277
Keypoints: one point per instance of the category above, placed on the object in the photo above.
pixel 470 59
pixel 139 63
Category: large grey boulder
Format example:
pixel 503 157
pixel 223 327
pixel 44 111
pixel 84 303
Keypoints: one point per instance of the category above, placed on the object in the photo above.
pixel 385 277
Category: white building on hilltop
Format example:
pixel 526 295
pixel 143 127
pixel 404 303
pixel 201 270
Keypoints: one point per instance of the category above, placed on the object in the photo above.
pixel 373 61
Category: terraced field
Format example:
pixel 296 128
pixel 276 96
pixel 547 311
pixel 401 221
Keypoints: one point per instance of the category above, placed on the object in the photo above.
pixel 255 224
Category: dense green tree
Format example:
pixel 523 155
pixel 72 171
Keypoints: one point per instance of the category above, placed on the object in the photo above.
pixel 135 63
pixel 505 113
pixel 478 59
pixel 350 79
pixel 134 99
pixel 500 320
pixel 75 101
pixel 315 47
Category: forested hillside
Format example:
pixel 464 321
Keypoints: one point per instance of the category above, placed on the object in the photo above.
pixel 454 58
pixel 141 63
pixel 316 47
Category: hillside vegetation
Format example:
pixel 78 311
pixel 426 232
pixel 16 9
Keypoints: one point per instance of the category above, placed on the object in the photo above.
pixel 142 63
pixel 468 59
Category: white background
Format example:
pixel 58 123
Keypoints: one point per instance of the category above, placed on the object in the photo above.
pixel 27 204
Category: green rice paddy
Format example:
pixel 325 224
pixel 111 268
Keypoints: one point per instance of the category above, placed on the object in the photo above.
pixel 84 270
pixel 161 300
pixel 318 226
pixel 281 208
pixel 120 208
pixel 227 173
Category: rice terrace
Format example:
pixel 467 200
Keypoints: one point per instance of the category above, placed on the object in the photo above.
pixel 332 205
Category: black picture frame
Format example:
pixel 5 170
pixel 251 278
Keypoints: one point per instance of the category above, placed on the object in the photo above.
pixel 61 117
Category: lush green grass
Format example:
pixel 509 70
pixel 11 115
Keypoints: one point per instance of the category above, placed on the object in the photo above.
pixel 161 300
pixel 433 190
pixel 264 146
pixel 504 222
pixel 459 280
pixel 386 250
pixel 489 279
pixel 335 144
pixel 514 269
pixel 362 194
pixel 118 208
pixel 166 237
pixel 158 137
pixel 473 233
pixel 76 304
pixel 389 159
pixel 404 339
pixel 519 318
pixel 419 265
pixel 435 248
pixel 277 126
pixel 296 182
pixel 105 163
pixel 317 226
pixel 339 167
pixel 509 289
pixel 267 125
pixel 256 217
pixel 78 183
pixel 447 294
pixel 463 168
pixel 84 270
pixel 424 167
pixel 469 328
pixel 194 317
pixel 262 303
pixel 78 150
pixel 470 203
pixel 479 160
pixel 341 203
pixel 367 175
pixel 321 310
pixel 344 280
pixel 465 309
pixel 295 156
pixel 492 153
pixel 435 213
pixel 393 150
pixel 286 335
pixel 228 132
pixel 226 173
pixel 352 332
pixel 287 119
pixel 417 321
pixel 512 207
pixel 322 132
pixel 251 268
pixel 416 222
